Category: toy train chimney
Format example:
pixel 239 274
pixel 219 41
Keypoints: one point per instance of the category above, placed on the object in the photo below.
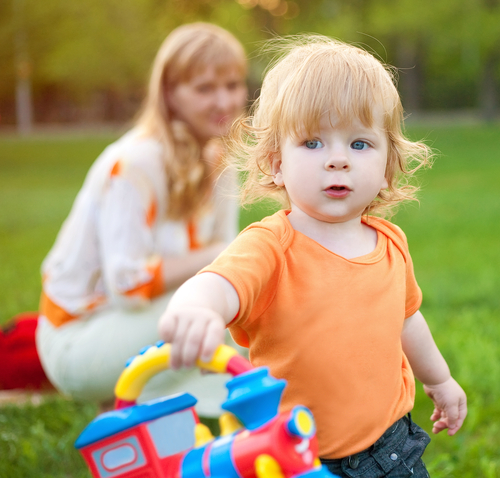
pixel 254 397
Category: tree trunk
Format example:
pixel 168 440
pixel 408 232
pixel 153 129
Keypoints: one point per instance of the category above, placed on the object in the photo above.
pixel 24 110
pixel 410 77
pixel 24 106
pixel 488 94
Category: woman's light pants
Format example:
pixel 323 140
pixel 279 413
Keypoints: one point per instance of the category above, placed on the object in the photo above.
pixel 84 358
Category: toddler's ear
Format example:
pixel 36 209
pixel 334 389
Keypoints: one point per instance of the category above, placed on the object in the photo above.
pixel 275 159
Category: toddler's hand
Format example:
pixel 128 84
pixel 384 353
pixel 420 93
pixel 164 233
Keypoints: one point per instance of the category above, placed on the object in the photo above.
pixel 450 406
pixel 194 332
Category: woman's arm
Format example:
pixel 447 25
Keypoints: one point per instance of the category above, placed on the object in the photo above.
pixel 133 269
pixel 196 318
pixel 178 269
pixel 430 367
pixel 226 213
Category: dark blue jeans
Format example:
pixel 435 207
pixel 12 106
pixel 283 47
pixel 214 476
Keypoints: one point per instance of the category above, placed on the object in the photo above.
pixel 396 454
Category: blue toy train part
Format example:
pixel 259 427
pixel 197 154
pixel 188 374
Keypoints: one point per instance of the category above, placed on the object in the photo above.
pixel 163 438
pixel 256 386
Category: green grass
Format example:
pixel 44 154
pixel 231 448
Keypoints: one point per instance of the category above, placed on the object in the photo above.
pixel 39 179
pixel 453 236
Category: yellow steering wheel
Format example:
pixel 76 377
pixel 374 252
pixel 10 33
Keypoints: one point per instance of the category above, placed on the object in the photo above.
pixel 156 358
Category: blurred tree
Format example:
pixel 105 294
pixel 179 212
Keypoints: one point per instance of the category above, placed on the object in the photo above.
pixel 24 107
pixel 402 26
pixel 486 19
pixel 91 59
pixel 97 54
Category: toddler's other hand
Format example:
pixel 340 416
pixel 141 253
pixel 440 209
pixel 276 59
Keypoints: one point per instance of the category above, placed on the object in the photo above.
pixel 450 405
pixel 194 332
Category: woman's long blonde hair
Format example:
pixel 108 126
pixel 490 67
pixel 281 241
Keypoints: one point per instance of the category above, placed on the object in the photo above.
pixel 187 51
pixel 314 76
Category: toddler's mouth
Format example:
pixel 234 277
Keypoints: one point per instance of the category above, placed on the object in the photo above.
pixel 338 188
pixel 337 191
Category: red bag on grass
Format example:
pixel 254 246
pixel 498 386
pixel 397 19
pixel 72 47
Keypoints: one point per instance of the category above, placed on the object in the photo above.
pixel 20 367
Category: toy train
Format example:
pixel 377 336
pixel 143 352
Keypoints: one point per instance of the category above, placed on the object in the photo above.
pixel 163 438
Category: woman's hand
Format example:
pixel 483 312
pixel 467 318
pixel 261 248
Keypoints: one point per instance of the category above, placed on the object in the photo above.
pixel 450 406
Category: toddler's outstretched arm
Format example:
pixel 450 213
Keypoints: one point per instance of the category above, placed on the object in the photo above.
pixel 429 366
pixel 196 317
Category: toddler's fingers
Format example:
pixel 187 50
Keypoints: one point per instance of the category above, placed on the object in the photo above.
pixel 436 414
pixel 439 426
pixel 178 343
pixel 193 341
pixel 214 336
pixel 166 326
pixel 462 413
pixel 452 416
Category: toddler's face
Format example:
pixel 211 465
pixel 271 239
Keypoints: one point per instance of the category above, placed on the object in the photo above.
pixel 334 174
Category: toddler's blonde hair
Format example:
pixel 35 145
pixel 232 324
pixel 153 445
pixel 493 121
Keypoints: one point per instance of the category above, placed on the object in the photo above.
pixel 314 76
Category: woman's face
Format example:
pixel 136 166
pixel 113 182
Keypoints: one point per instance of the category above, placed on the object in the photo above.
pixel 209 102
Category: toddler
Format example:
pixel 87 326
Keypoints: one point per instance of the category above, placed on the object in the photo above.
pixel 323 292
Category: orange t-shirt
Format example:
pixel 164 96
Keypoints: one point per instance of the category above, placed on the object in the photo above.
pixel 328 325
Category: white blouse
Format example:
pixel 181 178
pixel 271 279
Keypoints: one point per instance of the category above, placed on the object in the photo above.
pixel 110 249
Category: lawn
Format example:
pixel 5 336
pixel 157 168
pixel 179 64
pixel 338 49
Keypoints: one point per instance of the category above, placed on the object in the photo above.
pixel 453 236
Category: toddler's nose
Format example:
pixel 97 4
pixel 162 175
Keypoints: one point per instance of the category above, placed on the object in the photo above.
pixel 338 161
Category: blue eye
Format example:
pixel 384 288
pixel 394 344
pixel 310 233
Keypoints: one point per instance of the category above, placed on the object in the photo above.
pixel 313 144
pixel 359 145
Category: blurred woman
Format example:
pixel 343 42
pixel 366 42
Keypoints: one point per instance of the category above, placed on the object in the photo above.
pixel 155 208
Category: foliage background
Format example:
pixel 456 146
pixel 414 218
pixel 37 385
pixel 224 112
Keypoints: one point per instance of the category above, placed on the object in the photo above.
pixel 89 60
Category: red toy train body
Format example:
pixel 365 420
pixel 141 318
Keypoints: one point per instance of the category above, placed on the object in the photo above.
pixel 163 438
